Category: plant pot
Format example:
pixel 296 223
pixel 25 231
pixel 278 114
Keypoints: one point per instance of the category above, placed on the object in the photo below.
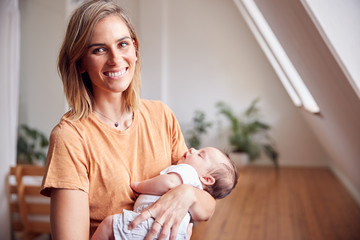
pixel 240 159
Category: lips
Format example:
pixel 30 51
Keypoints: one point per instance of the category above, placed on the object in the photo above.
pixel 116 74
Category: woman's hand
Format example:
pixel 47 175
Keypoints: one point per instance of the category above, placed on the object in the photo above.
pixel 172 207
pixel 168 212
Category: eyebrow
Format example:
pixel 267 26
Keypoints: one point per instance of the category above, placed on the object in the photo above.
pixel 102 44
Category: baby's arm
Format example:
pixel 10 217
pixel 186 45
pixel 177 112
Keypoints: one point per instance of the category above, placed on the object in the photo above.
pixel 157 185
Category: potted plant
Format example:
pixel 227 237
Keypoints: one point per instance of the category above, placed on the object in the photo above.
pixel 200 127
pixel 249 134
pixel 31 146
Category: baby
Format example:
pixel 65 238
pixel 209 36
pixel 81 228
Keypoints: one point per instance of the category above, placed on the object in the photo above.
pixel 207 168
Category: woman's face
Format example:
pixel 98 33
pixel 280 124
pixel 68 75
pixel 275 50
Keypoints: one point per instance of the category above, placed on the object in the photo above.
pixel 110 58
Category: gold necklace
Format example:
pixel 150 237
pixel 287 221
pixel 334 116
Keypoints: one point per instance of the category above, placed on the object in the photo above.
pixel 116 122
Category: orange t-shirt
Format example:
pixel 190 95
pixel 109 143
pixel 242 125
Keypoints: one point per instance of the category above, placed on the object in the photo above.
pixel 91 156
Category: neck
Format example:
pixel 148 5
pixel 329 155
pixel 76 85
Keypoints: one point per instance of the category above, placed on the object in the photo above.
pixel 119 115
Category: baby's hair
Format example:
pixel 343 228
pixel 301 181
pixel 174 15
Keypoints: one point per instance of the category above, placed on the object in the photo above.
pixel 226 178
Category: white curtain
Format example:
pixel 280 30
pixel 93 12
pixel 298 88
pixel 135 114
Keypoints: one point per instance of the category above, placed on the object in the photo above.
pixel 9 91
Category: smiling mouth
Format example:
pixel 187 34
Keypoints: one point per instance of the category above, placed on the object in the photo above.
pixel 116 74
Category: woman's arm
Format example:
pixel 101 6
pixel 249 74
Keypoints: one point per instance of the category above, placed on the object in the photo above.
pixel 171 208
pixel 69 214
pixel 203 206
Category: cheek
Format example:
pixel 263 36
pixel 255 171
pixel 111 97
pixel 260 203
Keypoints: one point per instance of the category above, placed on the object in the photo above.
pixel 91 63
pixel 133 61
pixel 131 56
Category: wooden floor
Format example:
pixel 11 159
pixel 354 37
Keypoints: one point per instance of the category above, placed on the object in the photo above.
pixel 291 204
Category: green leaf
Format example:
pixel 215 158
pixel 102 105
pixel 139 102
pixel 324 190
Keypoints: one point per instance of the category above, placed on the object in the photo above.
pixel 44 141
pixel 200 127
pixel 30 145
pixel 252 109
pixel 249 134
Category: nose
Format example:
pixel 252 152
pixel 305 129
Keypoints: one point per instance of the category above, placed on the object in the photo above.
pixel 192 150
pixel 114 57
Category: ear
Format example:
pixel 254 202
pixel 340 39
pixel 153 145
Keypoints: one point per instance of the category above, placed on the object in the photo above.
pixel 207 180
pixel 136 51
pixel 81 67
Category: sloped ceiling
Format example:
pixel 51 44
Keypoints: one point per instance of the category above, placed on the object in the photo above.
pixel 338 124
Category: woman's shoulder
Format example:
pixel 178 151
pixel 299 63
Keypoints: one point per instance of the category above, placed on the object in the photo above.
pixel 152 103
pixel 157 112
pixel 66 127
pixel 154 106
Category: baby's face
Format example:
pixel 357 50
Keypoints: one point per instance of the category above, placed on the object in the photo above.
pixel 203 159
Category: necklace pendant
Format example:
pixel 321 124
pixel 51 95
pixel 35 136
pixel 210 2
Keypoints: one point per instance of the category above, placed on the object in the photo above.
pixel 116 124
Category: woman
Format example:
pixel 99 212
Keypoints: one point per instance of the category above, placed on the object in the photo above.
pixel 110 137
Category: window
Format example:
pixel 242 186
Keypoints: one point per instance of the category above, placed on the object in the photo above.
pixel 289 77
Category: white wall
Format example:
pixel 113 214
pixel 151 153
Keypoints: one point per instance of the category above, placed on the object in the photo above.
pixel 338 23
pixel 9 91
pixel 194 54
pixel 41 94
pixel 211 56
pixel 150 32
pixel 337 126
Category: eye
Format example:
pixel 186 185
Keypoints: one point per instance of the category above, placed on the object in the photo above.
pixel 123 44
pixel 98 50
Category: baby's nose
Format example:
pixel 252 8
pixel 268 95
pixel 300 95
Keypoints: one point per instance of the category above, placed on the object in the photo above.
pixel 192 150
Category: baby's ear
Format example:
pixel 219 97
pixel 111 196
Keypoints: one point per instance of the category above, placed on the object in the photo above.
pixel 207 180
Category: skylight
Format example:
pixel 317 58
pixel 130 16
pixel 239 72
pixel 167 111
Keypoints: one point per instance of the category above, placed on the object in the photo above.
pixel 289 77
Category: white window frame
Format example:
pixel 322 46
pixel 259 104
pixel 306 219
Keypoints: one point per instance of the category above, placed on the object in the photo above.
pixel 289 77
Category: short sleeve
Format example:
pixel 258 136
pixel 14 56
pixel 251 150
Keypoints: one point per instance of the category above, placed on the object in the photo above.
pixel 187 173
pixel 177 139
pixel 67 160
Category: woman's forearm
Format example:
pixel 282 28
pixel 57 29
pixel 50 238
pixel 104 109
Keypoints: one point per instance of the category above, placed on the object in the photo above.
pixel 203 206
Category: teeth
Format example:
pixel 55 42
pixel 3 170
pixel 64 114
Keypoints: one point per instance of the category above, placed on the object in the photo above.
pixel 117 74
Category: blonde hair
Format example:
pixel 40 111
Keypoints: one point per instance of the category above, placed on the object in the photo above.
pixel 77 86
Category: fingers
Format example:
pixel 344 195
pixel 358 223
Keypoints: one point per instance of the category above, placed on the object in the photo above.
pixel 154 230
pixel 145 214
pixel 164 225
pixel 134 185
pixel 165 230
pixel 168 212
pixel 160 225
pixel 156 221
pixel 174 231
pixel 162 230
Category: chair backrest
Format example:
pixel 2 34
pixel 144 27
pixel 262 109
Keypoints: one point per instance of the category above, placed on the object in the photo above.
pixel 26 201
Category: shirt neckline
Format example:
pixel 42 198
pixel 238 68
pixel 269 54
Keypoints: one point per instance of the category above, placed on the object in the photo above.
pixel 109 128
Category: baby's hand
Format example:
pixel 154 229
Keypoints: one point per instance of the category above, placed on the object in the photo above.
pixel 133 186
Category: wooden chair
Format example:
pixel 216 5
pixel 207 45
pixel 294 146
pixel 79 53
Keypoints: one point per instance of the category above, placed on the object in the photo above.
pixel 29 210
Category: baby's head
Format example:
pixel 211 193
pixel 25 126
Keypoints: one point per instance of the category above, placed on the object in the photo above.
pixel 216 171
